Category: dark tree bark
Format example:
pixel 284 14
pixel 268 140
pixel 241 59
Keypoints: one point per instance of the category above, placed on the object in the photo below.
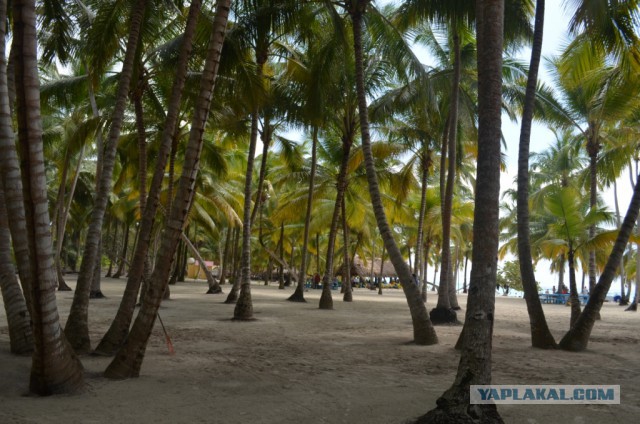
pixel 128 361
pixel 423 332
pixel 55 368
pixel 119 328
pixel 540 334
pixel 475 360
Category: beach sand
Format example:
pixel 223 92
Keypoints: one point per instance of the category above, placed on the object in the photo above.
pixel 298 364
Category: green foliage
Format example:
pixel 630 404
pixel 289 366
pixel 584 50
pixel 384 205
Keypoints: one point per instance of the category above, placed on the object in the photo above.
pixel 510 274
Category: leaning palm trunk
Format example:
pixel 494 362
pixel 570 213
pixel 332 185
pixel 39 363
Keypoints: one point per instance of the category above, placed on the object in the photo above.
pixel 540 335
pixel 423 332
pixel 55 367
pixel 298 295
pixel 119 328
pixel 20 334
pixel 577 338
pixel 77 327
pixel 128 361
pixel 475 360
pixel 214 287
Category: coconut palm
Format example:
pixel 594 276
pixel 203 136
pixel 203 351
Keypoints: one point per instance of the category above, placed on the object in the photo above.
pixel 569 233
pixel 475 361
pixel 15 306
pixel 127 363
pixel 423 330
pixel 120 325
pixel 55 368
pixel 77 329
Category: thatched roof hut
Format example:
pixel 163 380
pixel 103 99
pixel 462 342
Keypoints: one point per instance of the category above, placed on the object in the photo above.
pixel 363 268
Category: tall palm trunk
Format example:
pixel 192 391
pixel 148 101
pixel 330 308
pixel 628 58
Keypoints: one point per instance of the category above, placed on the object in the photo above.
pixel 55 367
pixel 424 172
pixel 15 306
pixel 444 313
pixel 10 177
pixel 128 361
pixel 61 223
pixel 540 335
pixel 624 300
pixel 346 273
pixel 119 328
pixel 298 295
pixel 77 326
pixel 244 306
pixel 593 148
pixel 423 332
pixel 577 338
pixel 573 290
pixel 326 301
pixel 232 297
pixel 475 360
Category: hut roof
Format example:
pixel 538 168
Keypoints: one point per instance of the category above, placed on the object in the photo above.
pixel 363 268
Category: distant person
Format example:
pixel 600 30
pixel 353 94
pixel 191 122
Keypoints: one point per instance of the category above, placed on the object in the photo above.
pixel 316 280
pixel 553 290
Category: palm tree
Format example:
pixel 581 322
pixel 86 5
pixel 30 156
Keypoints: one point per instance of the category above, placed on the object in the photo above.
pixel 55 368
pixel 540 335
pixel 77 329
pixel 128 361
pixel 570 231
pixel 15 306
pixel 422 329
pixel 119 328
pixel 475 361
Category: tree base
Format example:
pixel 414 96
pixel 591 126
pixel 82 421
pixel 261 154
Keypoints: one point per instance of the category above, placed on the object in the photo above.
pixel 474 414
pixel 443 316
pixel 297 296
pixel 96 295
pixel 633 307
pixel 214 290
pixel 62 286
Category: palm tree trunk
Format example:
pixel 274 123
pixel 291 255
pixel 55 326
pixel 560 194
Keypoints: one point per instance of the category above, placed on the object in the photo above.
pixel 225 257
pixel 77 327
pixel 577 338
pixel 123 254
pixel 624 300
pixel 443 313
pixel 281 263
pixel 423 332
pixel 346 273
pixel 574 299
pixel 10 177
pixel 55 368
pixel 119 328
pixel 326 301
pixel 424 168
pixel 128 361
pixel 15 305
pixel 475 360
pixel 214 287
pixel 540 334
pixel 298 295
pixel 244 306
pixel 232 297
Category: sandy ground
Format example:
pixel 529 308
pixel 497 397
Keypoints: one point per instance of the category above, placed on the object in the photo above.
pixel 299 364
